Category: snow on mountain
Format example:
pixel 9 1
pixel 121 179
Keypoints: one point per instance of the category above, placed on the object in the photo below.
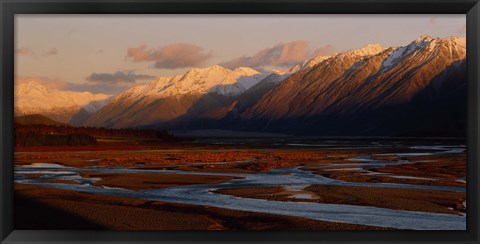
pixel 314 61
pixel 154 88
pixel 34 98
pixel 368 50
pixel 322 91
pixel 424 45
pixel 173 96
pixel 399 53
pixel 352 84
pixel 213 79
pixel 96 105
pixel 460 40
pixel 290 70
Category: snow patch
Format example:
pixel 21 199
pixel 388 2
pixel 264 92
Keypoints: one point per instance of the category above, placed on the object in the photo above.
pixel 35 98
pixel 401 53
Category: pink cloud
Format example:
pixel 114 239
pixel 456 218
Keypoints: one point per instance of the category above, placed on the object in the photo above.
pixel 117 77
pixel 284 54
pixel 50 52
pixel 23 51
pixel 180 55
pixel 27 51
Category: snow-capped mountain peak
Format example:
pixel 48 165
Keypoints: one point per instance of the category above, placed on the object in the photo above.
pixel 424 38
pixel 428 46
pixel 29 87
pixel 168 97
pixel 34 98
pixel 332 85
pixel 368 50
pixel 314 61
pixel 197 72
pixel 245 71
pixel 160 84
pixel 212 79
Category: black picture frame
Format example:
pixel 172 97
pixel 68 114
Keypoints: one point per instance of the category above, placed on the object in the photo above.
pixel 11 7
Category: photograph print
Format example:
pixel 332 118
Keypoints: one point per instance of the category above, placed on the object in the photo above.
pixel 240 122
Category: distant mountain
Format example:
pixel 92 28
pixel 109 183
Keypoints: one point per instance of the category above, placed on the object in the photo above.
pixel 88 111
pixel 36 119
pixel 34 98
pixel 167 98
pixel 417 89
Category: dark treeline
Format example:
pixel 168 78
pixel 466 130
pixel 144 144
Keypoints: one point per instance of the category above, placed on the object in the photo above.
pixel 51 135
pixel 29 140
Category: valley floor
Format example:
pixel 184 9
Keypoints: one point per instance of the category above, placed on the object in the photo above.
pixel 244 185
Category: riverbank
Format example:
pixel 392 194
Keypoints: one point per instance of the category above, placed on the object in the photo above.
pixel 39 207
pixel 340 187
pixel 400 199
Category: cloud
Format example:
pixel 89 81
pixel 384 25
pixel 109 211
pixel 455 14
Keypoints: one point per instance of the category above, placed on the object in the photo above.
pixel 326 50
pixel 140 54
pixel 27 51
pixel 118 77
pixel 174 56
pixel 50 52
pixel 284 54
pixel 23 51
pixel 145 77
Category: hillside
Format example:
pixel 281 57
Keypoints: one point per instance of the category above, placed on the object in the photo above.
pixel 415 87
pixel 36 119
pixel 35 98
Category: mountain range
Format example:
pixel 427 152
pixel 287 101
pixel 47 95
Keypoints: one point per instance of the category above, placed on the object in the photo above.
pixel 34 98
pixel 417 89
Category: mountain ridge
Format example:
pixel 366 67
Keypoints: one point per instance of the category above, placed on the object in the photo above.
pixel 357 92
pixel 34 98
pixel 176 96
pixel 333 88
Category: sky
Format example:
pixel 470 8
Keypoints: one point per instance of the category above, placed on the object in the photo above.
pixel 110 53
